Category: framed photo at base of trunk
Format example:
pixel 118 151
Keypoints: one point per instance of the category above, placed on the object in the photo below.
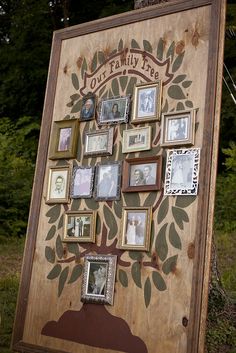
pixel 135 228
pixel 98 279
pixel 182 169
pixel 178 128
pixel 79 226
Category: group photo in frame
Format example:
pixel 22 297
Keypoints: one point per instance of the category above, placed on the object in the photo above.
pixel 147 102
pixel 79 226
pixel 178 128
pixel 99 279
pixel 58 185
pixel 182 169
pixel 88 109
pixel 114 110
pixel 82 182
pixel 98 142
pixel 64 139
pixel 135 228
pixel 142 174
pixel 137 139
pixel 107 181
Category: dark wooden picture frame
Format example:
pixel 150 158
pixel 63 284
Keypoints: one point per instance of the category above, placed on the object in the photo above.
pixel 88 109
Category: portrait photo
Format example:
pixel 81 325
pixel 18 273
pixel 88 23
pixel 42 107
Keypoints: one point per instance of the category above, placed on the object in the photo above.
pixel 142 174
pixel 64 139
pixel 135 230
pixel 98 142
pixel 82 182
pixel 88 107
pixel 114 110
pixel 178 128
pixel 147 102
pixel 99 279
pixel 58 185
pixel 79 226
pixel 137 139
pixel 107 181
pixel 182 172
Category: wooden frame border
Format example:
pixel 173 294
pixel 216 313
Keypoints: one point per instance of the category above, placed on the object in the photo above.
pixel 198 311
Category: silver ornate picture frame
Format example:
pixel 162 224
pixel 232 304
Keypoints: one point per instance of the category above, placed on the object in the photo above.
pixel 98 142
pixel 114 110
pixel 82 182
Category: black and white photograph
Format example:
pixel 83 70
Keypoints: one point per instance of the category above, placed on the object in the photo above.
pixel 64 139
pixel 114 110
pixel 58 185
pixel 82 182
pixel 143 174
pixel 107 181
pixel 88 108
pixel 99 142
pixel 79 226
pixel 137 139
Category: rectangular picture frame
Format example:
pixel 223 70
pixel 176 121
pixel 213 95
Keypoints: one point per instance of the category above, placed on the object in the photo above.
pixel 99 279
pixel 79 226
pixel 135 228
pixel 142 174
pixel 147 102
pixel 178 128
pixel 137 139
pixel 64 139
pixel 98 142
pixel 114 110
pixel 82 182
pixel 58 185
pixel 182 170
pixel 107 181
pixel 88 109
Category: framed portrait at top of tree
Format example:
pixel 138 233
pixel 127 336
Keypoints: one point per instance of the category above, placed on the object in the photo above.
pixel 178 128
pixel 114 110
pixel 82 182
pixel 138 139
pixel 64 139
pixel 107 181
pixel 142 174
pixel 99 279
pixel 88 107
pixel 135 228
pixel 98 142
pixel 79 226
pixel 58 185
pixel 147 102
pixel 182 168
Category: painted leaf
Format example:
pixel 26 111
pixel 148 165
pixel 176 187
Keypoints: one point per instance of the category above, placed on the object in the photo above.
pixel 113 52
pixel 61 163
pixel 102 91
pixel 62 280
pixel 179 78
pixel 84 68
pixel 174 237
pixel 161 244
pixel 94 62
pixel 75 97
pixel 76 273
pixel 98 224
pixel 180 106
pixel 147 292
pixel 178 62
pixel 196 127
pixel 165 108
pixel 147 46
pixel 70 104
pixel 51 233
pixel 163 210
pixel 175 92
pixel 189 104
pixel 183 201
pixel 75 81
pixel 60 223
pixel 131 84
pixel 101 57
pixel 75 204
pixel 55 272
pixel 151 238
pixel 132 199
pixel 91 204
pixel 123 82
pixel 186 84
pixel 123 278
pixel 180 216
pixel 54 213
pixel 150 200
pixel 136 274
pixel 120 45
pixel 170 264
pixel 50 254
pixel 160 49
pixel 76 107
pixel 73 248
pixel 110 221
pixel 134 44
pixel 171 51
pixel 158 281
pixel 59 247
pixel 67 117
pixel 118 208
pixel 135 255
pixel 115 87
